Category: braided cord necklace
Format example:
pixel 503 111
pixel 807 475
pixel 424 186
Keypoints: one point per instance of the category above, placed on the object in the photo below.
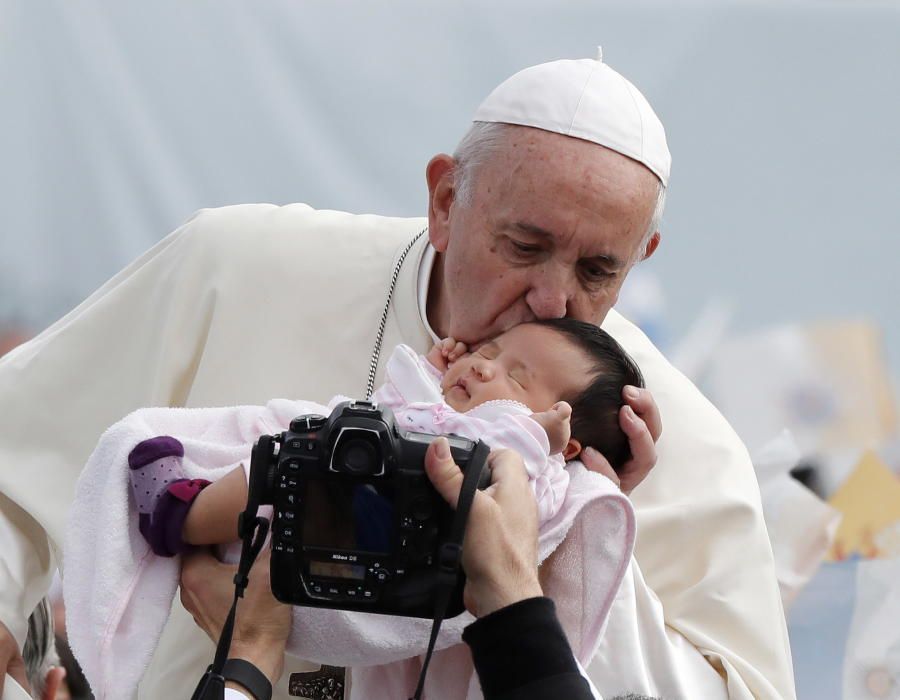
pixel 379 338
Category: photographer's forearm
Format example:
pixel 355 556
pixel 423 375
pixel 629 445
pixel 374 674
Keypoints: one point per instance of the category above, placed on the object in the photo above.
pixel 262 624
pixel 488 595
pixel 267 656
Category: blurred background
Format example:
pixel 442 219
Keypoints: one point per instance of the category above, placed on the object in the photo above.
pixel 775 287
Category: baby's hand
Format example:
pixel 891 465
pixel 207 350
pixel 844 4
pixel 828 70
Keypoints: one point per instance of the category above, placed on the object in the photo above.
pixel 445 352
pixel 557 422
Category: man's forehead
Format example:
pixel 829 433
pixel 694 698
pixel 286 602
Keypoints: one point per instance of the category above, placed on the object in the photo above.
pixel 556 183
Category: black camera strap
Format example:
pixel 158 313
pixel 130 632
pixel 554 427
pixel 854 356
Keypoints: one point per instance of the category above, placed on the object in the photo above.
pixel 212 685
pixel 450 555
pixel 252 530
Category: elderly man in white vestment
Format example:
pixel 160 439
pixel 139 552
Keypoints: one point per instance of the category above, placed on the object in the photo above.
pixel 541 212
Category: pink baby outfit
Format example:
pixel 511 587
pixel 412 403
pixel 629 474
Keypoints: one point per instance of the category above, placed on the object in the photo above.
pixel 118 593
pixel 412 390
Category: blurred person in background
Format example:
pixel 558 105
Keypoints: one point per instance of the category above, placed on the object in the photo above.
pixel 548 202
pixel 38 670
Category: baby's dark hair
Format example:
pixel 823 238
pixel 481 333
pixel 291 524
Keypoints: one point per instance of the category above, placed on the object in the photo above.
pixel 595 410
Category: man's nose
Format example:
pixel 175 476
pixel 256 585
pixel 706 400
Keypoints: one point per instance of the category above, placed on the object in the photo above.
pixel 549 296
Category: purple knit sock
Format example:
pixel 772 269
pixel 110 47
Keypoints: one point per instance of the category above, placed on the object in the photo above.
pixel 162 494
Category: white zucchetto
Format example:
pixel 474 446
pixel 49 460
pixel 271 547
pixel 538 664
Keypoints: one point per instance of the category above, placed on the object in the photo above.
pixel 585 99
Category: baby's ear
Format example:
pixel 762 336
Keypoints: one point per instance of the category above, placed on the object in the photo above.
pixel 571 450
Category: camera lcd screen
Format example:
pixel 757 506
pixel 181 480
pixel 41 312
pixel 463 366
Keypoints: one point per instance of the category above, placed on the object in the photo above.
pixel 348 514
pixel 332 569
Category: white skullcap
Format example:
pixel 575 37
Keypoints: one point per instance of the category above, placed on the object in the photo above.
pixel 585 99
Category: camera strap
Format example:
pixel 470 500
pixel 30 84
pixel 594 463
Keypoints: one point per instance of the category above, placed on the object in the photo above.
pixel 450 554
pixel 252 530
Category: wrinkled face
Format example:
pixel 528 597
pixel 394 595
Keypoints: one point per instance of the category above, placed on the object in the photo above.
pixel 553 227
pixel 529 364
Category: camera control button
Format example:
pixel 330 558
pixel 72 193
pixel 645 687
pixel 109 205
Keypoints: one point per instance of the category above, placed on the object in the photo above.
pixel 421 508
pixel 304 424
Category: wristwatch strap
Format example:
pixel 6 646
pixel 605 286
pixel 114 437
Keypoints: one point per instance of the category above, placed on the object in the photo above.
pixel 245 673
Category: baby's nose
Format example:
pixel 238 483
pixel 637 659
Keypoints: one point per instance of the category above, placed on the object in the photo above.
pixel 484 371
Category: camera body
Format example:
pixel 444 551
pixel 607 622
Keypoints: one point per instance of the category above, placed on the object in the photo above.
pixel 357 524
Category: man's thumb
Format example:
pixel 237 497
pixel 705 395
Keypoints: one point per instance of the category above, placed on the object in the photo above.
pixel 446 477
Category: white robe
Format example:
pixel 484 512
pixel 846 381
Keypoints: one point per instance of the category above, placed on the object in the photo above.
pixel 227 311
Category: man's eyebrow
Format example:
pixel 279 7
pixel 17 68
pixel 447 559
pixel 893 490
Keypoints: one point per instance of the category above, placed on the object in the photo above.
pixel 604 259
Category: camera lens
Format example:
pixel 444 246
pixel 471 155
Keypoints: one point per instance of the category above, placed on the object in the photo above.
pixel 357 456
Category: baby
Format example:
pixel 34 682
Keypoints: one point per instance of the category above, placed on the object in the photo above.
pixel 546 389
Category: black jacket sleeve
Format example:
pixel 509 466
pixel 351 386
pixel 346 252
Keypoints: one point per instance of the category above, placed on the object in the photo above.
pixel 521 653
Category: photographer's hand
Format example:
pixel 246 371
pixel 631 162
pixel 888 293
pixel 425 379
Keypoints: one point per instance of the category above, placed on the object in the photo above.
pixel 262 624
pixel 500 547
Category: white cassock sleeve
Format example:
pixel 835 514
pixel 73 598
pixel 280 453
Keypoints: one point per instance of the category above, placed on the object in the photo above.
pixel 58 389
pixel 700 614
pixel 640 653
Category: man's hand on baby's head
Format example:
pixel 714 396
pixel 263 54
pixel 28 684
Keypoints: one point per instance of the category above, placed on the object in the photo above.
pixel 557 423
pixel 445 352
pixel 640 421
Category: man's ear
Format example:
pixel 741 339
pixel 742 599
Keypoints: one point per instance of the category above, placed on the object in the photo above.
pixel 571 450
pixel 439 174
pixel 652 245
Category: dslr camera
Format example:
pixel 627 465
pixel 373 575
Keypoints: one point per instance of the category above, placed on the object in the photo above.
pixel 357 525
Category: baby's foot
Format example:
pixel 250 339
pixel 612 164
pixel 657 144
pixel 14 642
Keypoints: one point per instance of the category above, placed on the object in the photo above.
pixel 557 422
pixel 154 464
pixel 162 494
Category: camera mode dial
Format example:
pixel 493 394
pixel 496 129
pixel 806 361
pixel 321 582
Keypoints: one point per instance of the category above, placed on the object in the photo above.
pixel 307 424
